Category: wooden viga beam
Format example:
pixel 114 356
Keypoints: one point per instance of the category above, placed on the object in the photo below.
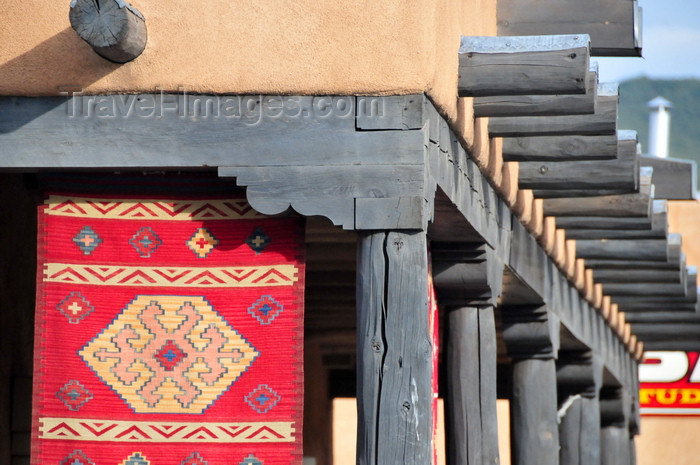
pixel 627 159
pixel 566 179
pixel 602 122
pixel 666 295
pixel 653 289
pixel 595 222
pixel 527 65
pixel 541 105
pixel 615 27
pixel 644 250
pixel 568 148
pixel 634 205
pixel 586 228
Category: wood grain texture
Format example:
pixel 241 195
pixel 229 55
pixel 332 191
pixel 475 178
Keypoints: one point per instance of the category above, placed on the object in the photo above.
pixel 113 28
pixel 394 349
pixel 540 105
pixel 532 65
pixel 533 410
pixel 463 405
pixel 615 28
pixel 620 249
pixel 602 122
pixel 560 148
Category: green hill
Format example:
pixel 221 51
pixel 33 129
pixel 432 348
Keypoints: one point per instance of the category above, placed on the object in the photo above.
pixel 684 94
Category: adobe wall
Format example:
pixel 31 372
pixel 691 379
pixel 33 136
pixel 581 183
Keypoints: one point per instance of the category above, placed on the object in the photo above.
pixel 251 47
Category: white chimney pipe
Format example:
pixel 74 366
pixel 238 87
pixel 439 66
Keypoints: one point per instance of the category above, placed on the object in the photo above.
pixel 659 127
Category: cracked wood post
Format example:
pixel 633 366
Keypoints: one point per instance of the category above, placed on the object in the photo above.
pixel 113 28
pixel 394 350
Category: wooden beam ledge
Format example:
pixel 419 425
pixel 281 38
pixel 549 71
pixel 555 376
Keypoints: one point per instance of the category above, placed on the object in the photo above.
pixel 527 65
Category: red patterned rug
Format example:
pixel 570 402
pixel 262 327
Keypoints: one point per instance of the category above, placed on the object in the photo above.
pixel 168 332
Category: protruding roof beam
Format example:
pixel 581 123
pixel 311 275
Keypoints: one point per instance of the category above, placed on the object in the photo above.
pixel 528 65
pixel 567 148
pixel 602 122
pixel 615 26
pixel 595 222
pixel 625 205
pixel 575 179
pixel 631 179
pixel 674 179
pixel 541 105
pixel 658 229
pixel 620 249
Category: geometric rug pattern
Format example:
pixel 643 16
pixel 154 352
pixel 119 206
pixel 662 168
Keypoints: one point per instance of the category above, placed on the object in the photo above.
pixel 168 332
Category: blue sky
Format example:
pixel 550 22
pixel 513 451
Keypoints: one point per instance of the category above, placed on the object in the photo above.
pixel 670 44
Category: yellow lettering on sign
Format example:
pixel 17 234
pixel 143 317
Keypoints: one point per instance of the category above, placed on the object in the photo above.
pixel 690 396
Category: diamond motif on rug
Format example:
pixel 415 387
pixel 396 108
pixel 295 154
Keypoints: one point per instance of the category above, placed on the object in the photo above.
pixel 73 395
pixel 251 460
pixel 258 240
pixel 194 459
pixel 87 240
pixel 265 309
pixel 136 459
pixel 262 398
pixel 145 241
pixel 169 354
pixel 202 242
pixel 76 458
pixel 75 307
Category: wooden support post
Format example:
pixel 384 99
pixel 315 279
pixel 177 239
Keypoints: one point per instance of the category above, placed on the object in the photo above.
pixel 533 412
pixel 531 336
pixel 528 65
pixel 614 444
pixel 113 28
pixel 394 350
pixel 468 280
pixel 579 377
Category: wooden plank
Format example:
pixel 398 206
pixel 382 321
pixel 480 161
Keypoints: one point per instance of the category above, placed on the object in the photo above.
pixel 533 413
pixel 631 275
pixel 586 229
pixel 541 105
pixel 673 179
pixel 394 349
pixel 621 206
pixel 571 178
pixel 523 65
pixel 560 148
pixel 615 27
pixel 463 406
pixel 115 30
pixel 620 249
pixel 602 122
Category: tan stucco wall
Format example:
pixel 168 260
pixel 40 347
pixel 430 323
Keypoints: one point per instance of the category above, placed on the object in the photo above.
pixel 674 439
pixel 271 47
pixel 684 218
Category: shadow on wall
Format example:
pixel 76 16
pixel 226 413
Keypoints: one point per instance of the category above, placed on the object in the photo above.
pixel 64 55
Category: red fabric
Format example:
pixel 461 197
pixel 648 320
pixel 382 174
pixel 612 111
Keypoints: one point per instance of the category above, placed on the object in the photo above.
pixel 168 332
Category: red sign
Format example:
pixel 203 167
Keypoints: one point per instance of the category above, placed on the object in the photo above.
pixel 670 383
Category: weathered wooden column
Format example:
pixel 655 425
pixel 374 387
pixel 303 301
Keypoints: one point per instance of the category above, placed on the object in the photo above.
pixel 394 366
pixel 532 339
pixel 614 431
pixel 579 378
pixel 468 280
